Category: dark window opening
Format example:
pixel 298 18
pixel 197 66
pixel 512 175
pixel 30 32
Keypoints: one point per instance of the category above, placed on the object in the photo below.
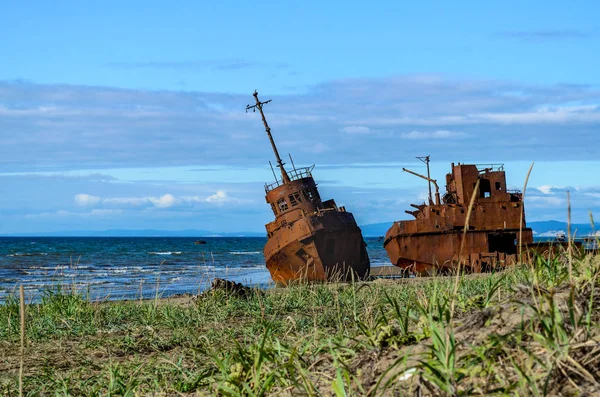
pixel 282 205
pixel 485 188
pixel 295 199
pixel 308 194
pixel 503 243
pixel 498 186
pixel 316 194
pixel 301 254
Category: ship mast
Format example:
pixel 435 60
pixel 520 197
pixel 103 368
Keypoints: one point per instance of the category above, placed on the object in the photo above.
pixel 425 159
pixel 258 106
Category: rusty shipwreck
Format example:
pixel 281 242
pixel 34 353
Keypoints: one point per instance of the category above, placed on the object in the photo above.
pixel 310 239
pixel 432 241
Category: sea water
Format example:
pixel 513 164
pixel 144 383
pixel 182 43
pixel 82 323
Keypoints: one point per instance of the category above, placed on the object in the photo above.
pixel 110 268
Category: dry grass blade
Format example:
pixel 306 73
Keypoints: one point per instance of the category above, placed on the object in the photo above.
pixel 22 309
pixel 570 240
pixel 523 213
pixel 462 246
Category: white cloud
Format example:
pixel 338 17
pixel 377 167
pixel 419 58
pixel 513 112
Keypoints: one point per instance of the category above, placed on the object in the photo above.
pixel 544 202
pixel 553 189
pixel 318 148
pixel 544 115
pixel 439 134
pixel 219 197
pixel 546 189
pixel 96 127
pixel 133 201
pixel 97 213
pixel 86 200
pixel 105 212
pixel 356 129
pixel 165 201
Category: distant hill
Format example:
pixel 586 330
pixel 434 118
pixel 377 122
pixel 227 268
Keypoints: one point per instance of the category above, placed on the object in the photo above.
pixel 550 228
pixel 375 229
pixel 540 229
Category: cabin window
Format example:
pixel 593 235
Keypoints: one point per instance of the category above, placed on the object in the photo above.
pixel 308 194
pixel 295 199
pixel 282 205
pixel 485 188
pixel 301 254
pixel 498 186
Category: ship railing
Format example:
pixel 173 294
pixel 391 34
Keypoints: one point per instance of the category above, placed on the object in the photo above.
pixel 294 174
pixel 490 167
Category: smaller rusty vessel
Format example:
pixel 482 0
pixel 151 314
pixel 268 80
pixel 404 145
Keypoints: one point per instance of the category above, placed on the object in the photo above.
pixel 310 239
pixel 432 241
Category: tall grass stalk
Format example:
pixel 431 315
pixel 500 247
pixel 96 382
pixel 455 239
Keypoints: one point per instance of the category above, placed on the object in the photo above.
pixel 570 242
pixel 523 213
pixel 462 246
pixel 22 362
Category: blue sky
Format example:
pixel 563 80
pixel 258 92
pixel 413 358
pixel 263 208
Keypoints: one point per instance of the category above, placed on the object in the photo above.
pixel 131 114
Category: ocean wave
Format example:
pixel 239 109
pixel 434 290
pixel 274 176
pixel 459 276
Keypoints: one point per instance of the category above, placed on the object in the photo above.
pixel 245 252
pixel 380 263
pixel 28 254
pixel 166 253
pixel 50 267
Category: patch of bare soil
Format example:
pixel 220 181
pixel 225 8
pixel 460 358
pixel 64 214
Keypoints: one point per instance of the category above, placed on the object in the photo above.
pixel 397 371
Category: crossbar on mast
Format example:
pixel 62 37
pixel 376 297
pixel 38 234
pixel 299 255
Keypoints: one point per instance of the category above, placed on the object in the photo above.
pixel 258 106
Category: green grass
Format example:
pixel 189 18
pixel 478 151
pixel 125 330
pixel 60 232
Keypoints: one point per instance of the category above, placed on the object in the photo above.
pixel 530 330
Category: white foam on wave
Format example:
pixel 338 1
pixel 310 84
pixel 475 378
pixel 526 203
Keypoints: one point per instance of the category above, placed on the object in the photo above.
pixel 380 263
pixel 245 252
pixel 166 253
pixel 50 267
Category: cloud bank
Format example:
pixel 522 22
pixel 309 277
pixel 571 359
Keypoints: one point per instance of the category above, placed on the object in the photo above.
pixel 342 121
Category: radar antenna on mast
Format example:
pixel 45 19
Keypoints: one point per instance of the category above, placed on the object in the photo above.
pixel 258 106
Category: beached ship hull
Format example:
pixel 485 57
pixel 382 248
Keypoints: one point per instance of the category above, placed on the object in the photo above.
pixel 432 241
pixel 310 239
pixel 428 253
pixel 321 247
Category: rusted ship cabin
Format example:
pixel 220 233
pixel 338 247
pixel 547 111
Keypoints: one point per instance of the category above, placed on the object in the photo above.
pixel 433 239
pixel 310 239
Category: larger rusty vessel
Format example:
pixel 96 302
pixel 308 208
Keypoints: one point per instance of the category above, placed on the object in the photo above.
pixel 433 239
pixel 310 239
